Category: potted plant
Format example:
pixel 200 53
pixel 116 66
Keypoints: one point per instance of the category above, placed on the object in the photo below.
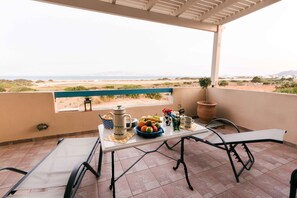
pixel 206 110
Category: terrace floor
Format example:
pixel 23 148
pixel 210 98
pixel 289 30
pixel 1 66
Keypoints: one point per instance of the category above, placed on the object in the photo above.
pixel 209 171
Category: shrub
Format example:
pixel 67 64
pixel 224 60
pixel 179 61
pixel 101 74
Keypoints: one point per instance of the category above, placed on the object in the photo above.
pixel 156 96
pixel 108 87
pixel 291 90
pixel 39 81
pixel 93 88
pixel 21 89
pixel 77 88
pixel 257 79
pixel 130 86
pixel 163 79
pixel 106 98
pixel 187 83
pixel 240 83
pixel 223 83
pixel 2 89
pixel 167 83
pixel 23 82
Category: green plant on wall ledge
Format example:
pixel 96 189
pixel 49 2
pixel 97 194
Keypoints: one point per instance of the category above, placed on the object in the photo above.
pixel 42 126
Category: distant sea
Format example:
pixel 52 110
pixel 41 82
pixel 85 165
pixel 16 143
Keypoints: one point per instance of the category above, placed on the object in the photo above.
pixel 45 78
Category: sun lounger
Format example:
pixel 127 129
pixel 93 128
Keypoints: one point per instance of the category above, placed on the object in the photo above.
pixel 60 172
pixel 230 142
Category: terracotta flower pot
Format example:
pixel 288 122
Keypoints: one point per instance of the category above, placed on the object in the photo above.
pixel 206 111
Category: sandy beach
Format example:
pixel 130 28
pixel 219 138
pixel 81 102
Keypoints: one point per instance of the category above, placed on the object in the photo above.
pixel 103 102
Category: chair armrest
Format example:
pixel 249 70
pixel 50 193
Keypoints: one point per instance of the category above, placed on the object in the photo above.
pixel 224 121
pixel 14 170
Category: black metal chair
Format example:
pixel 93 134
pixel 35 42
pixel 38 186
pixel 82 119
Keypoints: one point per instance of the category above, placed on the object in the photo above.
pixel 293 183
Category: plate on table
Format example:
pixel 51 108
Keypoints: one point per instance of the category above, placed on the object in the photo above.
pixel 150 134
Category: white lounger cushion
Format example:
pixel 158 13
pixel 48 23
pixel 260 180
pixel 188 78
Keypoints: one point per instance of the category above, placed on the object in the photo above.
pixel 245 137
pixel 55 170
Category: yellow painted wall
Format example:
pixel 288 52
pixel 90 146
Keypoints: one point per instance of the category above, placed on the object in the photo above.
pixel 258 110
pixel 21 112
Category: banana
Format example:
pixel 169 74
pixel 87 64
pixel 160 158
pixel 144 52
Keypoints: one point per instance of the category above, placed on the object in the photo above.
pixel 151 118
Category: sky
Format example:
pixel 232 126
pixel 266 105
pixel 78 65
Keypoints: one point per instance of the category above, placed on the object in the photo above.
pixel 44 40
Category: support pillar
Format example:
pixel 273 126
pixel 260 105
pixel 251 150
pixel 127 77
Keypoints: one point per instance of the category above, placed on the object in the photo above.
pixel 216 56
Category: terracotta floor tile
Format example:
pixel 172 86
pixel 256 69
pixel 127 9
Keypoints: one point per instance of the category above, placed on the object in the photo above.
pixel 226 194
pixel 249 191
pixel 283 173
pixel 156 159
pixel 122 189
pixel 89 191
pixel 155 193
pixel 180 189
pixel 106 158
pixel 88 180
pixel 142 181
pixel 271 186
pixel 106 171
pixel 165 173
pixel 3 191
pixel 202 162
pixel 139 166
pixel 209 169
pixel 128 153
pixel 213 182
pixel 266 161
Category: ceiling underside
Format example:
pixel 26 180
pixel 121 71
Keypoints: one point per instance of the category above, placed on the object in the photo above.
pixel 197 14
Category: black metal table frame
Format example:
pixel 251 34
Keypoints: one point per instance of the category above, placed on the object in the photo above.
pixel 179 161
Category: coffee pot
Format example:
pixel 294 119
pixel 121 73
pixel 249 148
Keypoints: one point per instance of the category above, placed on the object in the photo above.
pixel 119 122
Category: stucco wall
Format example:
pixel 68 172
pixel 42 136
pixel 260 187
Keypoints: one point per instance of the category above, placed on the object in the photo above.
pixel 21 112
pixel 258 110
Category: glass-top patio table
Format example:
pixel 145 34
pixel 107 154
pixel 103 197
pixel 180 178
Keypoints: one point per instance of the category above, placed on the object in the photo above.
pixel 109 146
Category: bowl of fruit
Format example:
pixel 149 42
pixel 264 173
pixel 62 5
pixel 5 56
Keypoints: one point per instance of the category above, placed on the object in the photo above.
pixel 149 128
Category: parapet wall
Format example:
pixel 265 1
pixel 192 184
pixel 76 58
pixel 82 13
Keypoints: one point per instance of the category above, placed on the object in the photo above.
pixel 21 112
pixel 258 110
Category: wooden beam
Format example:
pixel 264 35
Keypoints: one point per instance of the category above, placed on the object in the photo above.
pixel 184 7
pixel 125 11
pixel 216 56
pixel 150 4
pixel 217 9
pixel 259 5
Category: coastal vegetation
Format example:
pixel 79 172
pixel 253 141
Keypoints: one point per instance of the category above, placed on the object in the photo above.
pixel 287 87
pixel 76 88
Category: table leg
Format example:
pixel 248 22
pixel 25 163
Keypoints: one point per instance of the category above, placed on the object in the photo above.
pixel 112 182
pixel 100 160
pixel 181 160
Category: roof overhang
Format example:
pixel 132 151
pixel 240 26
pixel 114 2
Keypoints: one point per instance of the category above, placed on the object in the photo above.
pixel 198 14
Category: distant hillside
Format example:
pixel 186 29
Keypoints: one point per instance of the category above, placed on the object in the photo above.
pixel 287 73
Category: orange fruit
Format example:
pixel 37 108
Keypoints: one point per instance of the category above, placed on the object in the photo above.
pixel 143 128
pixel 140 124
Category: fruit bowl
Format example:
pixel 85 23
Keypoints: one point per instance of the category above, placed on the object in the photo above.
pixel 149 134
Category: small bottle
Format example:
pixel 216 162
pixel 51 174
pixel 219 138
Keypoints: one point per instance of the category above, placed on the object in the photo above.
pixel 176 122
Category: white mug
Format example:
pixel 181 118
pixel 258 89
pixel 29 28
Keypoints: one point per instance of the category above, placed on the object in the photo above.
pixel 188 122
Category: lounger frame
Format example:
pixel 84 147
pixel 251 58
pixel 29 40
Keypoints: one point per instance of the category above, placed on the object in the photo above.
pixel 230 146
